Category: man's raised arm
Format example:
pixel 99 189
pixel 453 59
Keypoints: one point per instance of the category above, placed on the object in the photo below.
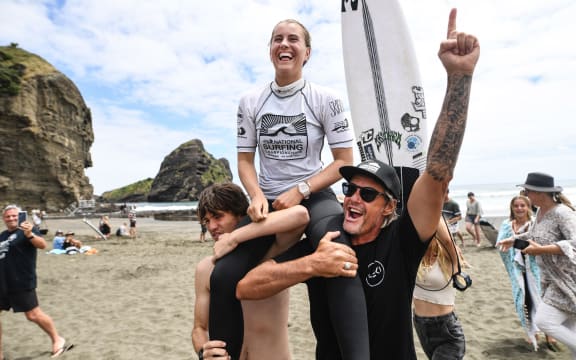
pixel 459 54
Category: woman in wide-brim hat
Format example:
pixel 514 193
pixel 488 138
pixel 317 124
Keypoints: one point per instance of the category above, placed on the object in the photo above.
pixel 553 240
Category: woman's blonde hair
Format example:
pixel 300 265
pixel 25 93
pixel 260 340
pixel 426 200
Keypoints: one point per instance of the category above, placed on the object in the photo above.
pixel 437 252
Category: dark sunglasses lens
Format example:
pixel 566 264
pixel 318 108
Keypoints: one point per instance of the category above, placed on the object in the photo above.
pixel 348 189
pixel 368 194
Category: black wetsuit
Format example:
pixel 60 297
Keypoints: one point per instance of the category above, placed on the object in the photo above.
pixel 343 296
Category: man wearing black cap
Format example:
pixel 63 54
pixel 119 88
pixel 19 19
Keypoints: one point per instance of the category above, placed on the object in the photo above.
pixel 388 247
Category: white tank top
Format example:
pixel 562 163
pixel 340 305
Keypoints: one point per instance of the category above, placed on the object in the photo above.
pixel 435 280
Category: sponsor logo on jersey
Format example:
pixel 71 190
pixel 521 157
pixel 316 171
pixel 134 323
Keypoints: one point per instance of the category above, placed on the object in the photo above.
pixel 283 137
pixel 336 107
pixel 341 126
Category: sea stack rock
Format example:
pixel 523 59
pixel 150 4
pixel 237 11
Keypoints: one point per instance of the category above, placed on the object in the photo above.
pixel 186 171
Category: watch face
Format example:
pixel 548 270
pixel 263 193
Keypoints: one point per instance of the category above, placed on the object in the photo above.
pixel 304 188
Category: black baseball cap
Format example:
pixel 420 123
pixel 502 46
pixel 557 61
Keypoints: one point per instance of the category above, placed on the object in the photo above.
pixel 377 170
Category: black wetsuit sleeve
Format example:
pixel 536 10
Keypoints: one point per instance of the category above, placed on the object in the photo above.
pixel 344 297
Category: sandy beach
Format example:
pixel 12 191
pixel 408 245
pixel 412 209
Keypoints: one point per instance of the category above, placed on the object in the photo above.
pixel 134 300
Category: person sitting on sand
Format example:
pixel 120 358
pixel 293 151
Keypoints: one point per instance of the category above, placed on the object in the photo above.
pixel 58 241
pixel 222 207
pixel 122 230
pixel 69 241
pixel 105 227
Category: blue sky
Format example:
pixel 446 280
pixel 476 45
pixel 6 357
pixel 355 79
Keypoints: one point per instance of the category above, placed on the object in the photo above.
pixel 158 73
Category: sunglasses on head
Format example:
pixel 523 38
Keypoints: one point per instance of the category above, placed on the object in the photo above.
pixel 367 194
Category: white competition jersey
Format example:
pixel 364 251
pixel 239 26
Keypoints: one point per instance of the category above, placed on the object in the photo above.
pixel 287 125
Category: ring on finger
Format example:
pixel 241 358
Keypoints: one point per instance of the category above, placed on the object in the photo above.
pixel 347 265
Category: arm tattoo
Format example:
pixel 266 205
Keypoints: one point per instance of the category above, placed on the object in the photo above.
pixel 448 133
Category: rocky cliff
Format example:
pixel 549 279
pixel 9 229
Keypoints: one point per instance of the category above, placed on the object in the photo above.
pixel 186 171
pixel 45 134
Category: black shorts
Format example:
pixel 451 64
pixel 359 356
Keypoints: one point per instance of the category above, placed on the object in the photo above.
pixel 21 301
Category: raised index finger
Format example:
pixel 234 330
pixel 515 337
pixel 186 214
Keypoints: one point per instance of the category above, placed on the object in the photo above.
pixel 451 24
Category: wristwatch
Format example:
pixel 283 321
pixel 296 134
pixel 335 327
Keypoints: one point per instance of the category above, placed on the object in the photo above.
pixel 304 189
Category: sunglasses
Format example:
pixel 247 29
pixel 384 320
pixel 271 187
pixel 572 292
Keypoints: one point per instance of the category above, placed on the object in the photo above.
pixel 367 194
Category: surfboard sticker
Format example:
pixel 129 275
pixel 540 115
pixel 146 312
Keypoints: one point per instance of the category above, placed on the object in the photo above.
pixel 385 92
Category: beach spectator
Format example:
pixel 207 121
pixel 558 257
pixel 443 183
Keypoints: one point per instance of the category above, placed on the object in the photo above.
pixel 552 239
pixel 37 219
pixel 388 247
pixel 288 122
pixel 58 241
pixel 522 269
pixel 452 214
pixel 122 230
pixel 221 207
pixel 436 324
pixel 18 244
pixel 70 242
pixel 132 221
pixel 473 215
pixel 104 226
pixel 203 230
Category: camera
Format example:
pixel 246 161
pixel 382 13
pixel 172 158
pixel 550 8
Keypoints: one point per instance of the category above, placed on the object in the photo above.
pixel 520 244
pixel 461 281
pixel 22 216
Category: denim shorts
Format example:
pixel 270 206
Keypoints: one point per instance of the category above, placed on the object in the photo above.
pixel 441 337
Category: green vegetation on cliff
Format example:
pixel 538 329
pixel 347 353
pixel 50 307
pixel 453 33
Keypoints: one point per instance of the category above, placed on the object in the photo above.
pixel 17 64
pixel 137 189
pixel 217 172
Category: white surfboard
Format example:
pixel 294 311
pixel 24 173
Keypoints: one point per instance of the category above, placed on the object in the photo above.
pixel 384 89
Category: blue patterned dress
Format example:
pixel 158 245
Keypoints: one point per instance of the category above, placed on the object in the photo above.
pixel 524 276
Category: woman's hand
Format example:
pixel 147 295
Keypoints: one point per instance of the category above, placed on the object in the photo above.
pixel 287 199
pixel 258 209
pixel 224 245
pixel 505 244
